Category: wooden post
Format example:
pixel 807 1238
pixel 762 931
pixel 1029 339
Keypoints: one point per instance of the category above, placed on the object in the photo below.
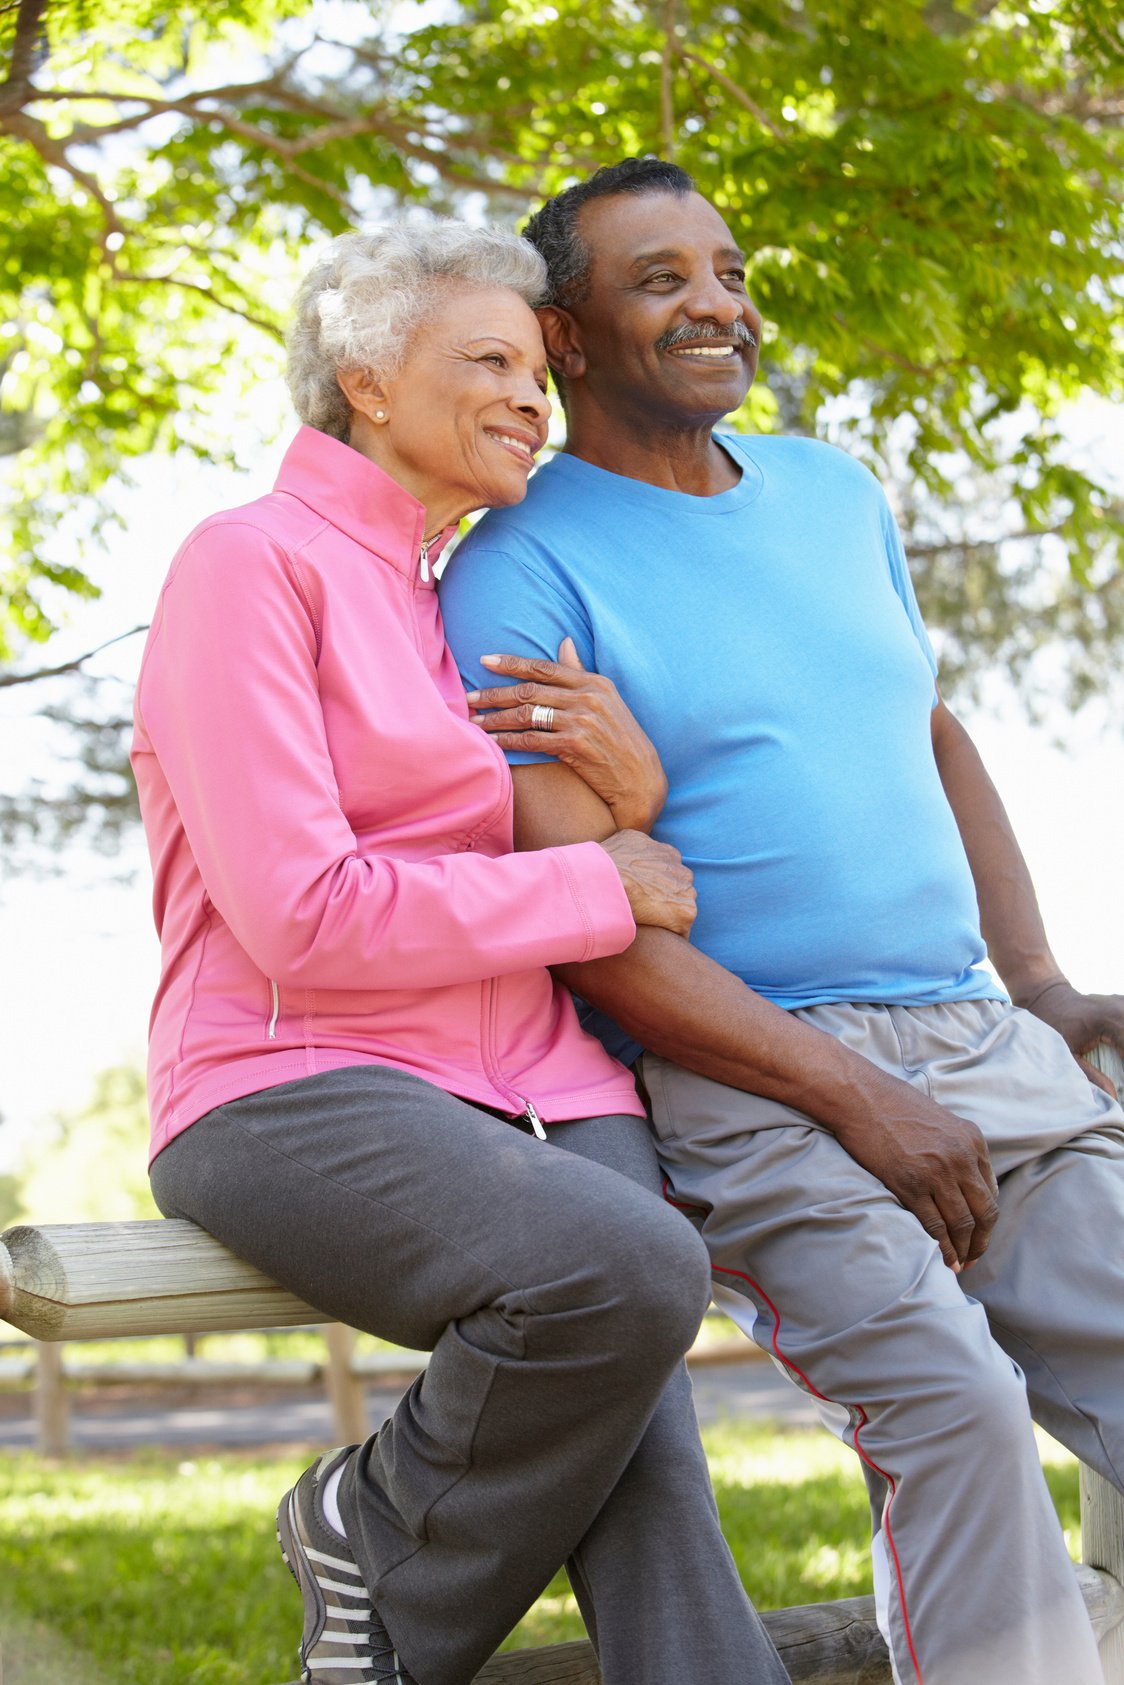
pixel 1102 1546
pixel 52 1408
pixel 345 1390
pixel 1102 1506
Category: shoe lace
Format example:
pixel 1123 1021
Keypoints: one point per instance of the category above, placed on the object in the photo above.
pixel 384 1657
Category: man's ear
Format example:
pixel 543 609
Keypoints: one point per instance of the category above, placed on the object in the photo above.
pixel 365 393
pixel 562 338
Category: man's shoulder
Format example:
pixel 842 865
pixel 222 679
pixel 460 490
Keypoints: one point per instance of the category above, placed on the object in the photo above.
pixel 801 457
pixel 525 530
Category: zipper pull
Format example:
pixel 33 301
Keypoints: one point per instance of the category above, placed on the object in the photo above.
pixel 425 560
pixel 534 1120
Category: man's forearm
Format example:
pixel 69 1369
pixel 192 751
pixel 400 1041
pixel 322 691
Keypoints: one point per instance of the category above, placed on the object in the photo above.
pixel 682 1004
pixel 1010 919
pixel 686 1007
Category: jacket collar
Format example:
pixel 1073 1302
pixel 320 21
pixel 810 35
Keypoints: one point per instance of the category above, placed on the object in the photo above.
pixel 356 496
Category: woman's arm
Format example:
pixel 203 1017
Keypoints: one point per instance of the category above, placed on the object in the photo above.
pixel 229 705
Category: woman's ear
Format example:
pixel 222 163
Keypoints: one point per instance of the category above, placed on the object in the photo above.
pixel 365 393
pixel 562 338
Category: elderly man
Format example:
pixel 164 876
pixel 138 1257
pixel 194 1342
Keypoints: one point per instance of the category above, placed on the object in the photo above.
pixel 912 1192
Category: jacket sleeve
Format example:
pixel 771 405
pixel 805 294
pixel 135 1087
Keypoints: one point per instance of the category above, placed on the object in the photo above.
pixel 228 703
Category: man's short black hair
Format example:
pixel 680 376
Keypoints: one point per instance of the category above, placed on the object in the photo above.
pixel 553 230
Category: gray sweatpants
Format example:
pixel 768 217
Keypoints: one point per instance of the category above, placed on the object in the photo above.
pixel 554 1421
pixel 925 1374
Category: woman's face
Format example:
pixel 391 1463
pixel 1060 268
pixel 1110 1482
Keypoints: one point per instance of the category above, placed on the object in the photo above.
pixel 468 409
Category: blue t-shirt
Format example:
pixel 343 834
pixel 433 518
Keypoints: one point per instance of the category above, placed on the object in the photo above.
pixel 769 642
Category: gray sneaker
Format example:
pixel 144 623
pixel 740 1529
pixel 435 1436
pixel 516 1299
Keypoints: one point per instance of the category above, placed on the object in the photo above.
pixel 344 1641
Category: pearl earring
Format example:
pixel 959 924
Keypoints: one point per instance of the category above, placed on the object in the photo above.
pixel 380 415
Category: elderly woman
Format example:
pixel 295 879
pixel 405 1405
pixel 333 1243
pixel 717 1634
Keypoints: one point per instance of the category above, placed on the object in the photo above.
pixel 357 1053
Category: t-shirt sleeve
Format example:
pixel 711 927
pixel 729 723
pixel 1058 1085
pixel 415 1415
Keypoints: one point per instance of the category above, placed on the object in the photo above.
pixel 903 584
pixel 493 603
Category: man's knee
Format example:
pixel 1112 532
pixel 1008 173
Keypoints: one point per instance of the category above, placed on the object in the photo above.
pixel 963 1395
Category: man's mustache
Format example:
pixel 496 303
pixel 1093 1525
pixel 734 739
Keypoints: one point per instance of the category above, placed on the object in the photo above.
pixel 706 330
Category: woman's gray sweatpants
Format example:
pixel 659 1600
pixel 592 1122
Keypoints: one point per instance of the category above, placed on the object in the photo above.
pixel 554 1421
pixel 924 1373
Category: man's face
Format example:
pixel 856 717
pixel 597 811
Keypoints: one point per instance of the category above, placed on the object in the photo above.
pixel 666 326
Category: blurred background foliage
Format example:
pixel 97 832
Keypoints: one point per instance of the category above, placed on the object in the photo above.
pixel 930 193
pixel 87 1165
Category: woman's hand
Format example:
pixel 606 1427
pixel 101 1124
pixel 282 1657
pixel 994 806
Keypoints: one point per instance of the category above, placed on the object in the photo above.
pixel 589 728
pixel 659 887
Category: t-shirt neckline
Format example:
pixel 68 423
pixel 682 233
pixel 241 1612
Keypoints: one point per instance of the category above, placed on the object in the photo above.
pixel 747 490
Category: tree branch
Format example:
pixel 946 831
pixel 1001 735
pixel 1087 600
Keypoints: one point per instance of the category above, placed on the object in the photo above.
pixel 7 679
pixel 115 96
pixel 1075 102
pixel 398 135
pixel 29 26
pixel 733 90
pixel 667 107
pixel 208 293
pixel 212 106
pixel 958 546
pixel 896 357
pixel 85 134
pixel 54 152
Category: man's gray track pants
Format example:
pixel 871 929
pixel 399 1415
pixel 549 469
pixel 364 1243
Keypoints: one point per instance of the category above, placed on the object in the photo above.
pixel 920 1371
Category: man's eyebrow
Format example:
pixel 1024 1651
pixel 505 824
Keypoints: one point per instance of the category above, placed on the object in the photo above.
pixel 672 255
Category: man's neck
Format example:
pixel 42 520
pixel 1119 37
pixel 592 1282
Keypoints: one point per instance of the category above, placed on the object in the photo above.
pixel 689 461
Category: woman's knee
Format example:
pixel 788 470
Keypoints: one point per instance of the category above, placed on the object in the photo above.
pixel 165 1182
pixel 660 1273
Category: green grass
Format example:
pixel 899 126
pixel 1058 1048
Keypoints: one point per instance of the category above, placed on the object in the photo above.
pixel 156 1570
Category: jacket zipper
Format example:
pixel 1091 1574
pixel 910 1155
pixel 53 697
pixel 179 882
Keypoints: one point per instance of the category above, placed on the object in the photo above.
pixel 528 1113
pixel 275 997
pixel 424 560
pixel 533 1119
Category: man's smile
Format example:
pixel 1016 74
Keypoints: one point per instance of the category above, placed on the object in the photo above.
pixel 709 351
pixel 714 345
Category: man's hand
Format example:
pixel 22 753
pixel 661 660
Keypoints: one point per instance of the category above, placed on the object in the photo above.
pixel 935 1163
pixel 1082 1021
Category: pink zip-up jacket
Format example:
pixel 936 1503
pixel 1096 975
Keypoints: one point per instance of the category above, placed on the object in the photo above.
pixel 331 838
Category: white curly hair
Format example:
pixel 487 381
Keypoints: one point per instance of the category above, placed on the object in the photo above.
pixel 358 307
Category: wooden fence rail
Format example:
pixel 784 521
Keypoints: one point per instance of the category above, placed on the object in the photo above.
pixel 343 1372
